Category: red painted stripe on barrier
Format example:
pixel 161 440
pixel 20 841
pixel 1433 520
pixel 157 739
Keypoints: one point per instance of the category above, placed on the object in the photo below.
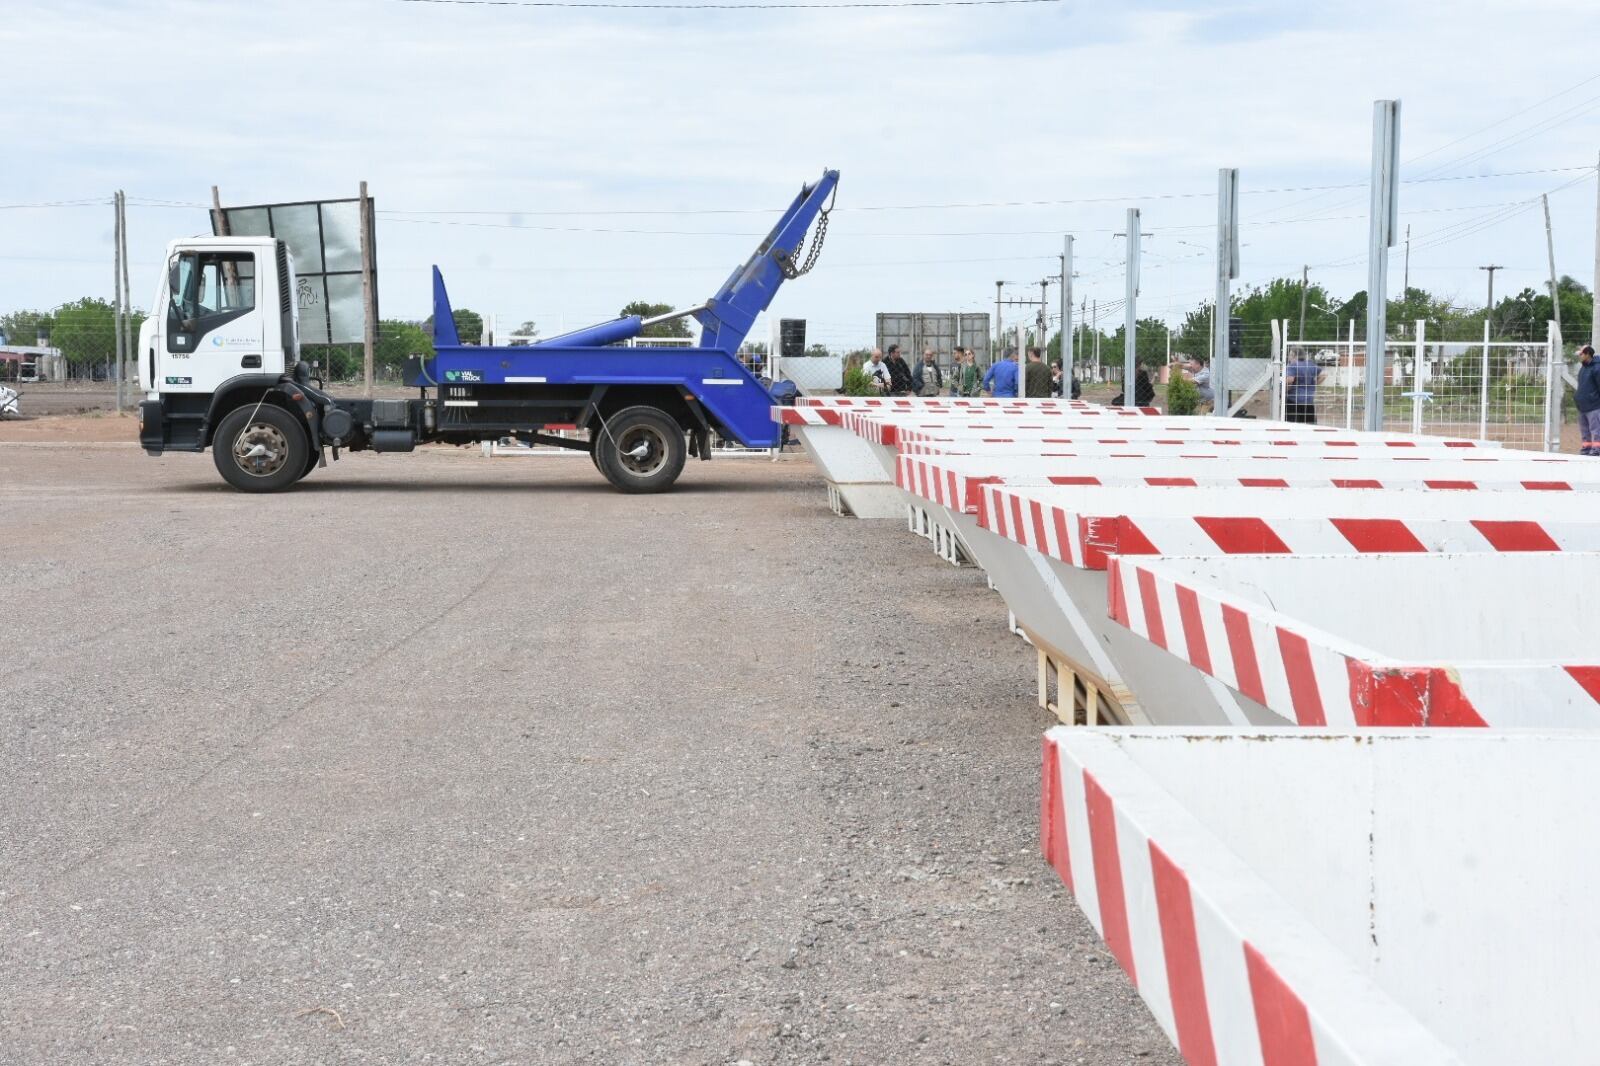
pixel 1041 542
pixel 1241 536
pixel 1409 698
pixel 1459 444
pixel 1448 705
pixel 1116 595
pixel 1264 482
pixel 1019 532
pixel 1194 630
pixel 1282 1022
pixel 1108 874
pixel 1171 482
pixel 1547 486
pixel 1447 484
pixel 973 491
pixel 1378 535
pixel 1516 536
pixel 1588 677
pixel 1357 483
pixel 1151 601
pixel 1058 518
pixel 953 487
pixel 1076 479
pixel 1303 694
pixel 832 418
pixel 1053 816
pixel 1186 980
pixel 1241 645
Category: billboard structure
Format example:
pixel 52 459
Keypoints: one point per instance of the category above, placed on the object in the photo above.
pixel 332 242
pixel 941 331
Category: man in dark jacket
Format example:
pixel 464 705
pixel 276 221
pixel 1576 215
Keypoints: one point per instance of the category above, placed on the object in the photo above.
pixel 899 372
pixel 1588 400
pixel 1036 376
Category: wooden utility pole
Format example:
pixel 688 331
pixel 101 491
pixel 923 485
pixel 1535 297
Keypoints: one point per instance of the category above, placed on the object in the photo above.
pixel 129 338
pixel 369 340
pixel 219 220
pixel 116 276
pixel 1555 286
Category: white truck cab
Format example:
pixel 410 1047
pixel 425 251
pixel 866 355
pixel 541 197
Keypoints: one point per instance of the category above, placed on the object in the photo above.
pixel 225 315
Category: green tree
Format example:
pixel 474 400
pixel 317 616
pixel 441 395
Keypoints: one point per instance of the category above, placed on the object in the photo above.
pixel 84 332
pixel 817 350
pixel 397 341
pixel 529 329
pixel 1183 396
pixel 469 325
pixel 1524 315
pixel 1151 336
pixel 677 327
pixel 24 328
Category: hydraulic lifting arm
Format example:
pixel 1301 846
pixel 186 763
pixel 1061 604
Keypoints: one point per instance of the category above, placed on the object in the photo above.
pixel 726 318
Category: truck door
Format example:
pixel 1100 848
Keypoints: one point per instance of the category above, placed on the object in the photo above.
pixel 213 328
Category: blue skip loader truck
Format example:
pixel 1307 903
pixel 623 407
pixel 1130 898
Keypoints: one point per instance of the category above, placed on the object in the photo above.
pixel 220 366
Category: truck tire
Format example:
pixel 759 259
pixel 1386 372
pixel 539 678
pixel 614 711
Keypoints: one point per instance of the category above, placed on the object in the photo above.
pixel 260 449
pixel 312 455
pixel 640 449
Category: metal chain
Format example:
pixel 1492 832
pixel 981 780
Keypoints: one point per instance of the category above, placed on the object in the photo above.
pixel 786 260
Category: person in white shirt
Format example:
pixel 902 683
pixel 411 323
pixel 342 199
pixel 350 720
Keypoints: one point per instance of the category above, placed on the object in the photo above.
pixel 875 369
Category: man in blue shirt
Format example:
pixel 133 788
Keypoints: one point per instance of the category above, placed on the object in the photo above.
pixel 1001 380
pixel 1300 377
pixel 1588 400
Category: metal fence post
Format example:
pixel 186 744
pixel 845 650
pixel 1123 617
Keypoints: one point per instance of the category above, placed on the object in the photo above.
pixel 1418 376
pixel 1483 387
pixel 1383 215
pixel 1277 394
pixel 1552 394
pixel 1350 378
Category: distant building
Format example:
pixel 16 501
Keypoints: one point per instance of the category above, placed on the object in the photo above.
pixel 29 363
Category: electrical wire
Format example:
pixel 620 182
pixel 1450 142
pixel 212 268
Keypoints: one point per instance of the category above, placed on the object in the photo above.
pixel 785 5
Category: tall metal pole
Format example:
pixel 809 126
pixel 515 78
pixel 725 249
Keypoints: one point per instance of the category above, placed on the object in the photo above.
pixel 1488 308
pixel 1130 346
pixel 1066 317
pixel 1555 286
pixel 1305 281
pixel 1044 317
pixel 999 332
pixel 369 293
pixel 116 276
pixel 1097 339
pixel 1594 327
pixel 1405 284
pixel 1227 270
pixel 1383 217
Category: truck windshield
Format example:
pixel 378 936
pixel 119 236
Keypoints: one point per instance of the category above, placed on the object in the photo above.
pixel 209 283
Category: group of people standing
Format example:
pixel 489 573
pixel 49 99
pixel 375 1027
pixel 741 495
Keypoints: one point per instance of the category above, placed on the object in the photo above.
pixel 892 375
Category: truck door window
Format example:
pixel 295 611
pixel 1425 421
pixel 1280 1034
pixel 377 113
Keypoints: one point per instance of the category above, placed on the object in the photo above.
pixel 209 289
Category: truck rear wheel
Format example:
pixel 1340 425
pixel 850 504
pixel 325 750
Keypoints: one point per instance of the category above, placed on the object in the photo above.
pixel 260 449
pixel 640 449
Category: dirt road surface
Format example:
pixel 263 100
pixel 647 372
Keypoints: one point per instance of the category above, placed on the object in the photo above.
pixel 469 761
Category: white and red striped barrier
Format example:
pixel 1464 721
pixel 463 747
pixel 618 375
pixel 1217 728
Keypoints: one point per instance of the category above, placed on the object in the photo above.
pixel 1084 525
pixel 1290 898
pixel 955 481
pixel 1380 640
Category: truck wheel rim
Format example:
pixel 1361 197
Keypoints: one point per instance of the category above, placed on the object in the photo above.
pixel 642 450
pixel 260 450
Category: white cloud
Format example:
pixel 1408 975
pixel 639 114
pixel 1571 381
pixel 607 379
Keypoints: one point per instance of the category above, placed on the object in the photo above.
pixel 527 110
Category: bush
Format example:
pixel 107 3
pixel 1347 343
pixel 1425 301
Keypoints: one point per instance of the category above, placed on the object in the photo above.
pixel 1183 395
pixel 857 382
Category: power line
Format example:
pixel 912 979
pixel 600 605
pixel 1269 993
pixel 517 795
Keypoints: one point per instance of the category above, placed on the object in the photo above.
pixel 786 5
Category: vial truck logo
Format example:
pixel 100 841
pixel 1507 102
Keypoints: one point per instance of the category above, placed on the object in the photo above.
pixel 468 376
pixel 180 381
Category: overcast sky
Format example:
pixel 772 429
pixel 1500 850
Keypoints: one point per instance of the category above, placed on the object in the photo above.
pixel 510 144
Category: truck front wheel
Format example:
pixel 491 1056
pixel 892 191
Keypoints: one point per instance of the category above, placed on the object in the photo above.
pixel 260 449
pixel 640 449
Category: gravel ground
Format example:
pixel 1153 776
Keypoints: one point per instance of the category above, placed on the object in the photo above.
pixel 467 761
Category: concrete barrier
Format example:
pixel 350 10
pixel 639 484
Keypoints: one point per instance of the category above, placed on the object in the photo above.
pixel 1047 550
pixel 1292 897
pixel 1380 640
